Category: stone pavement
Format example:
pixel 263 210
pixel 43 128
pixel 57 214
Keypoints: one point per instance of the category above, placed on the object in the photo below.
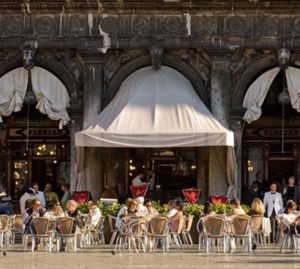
pixel 101 257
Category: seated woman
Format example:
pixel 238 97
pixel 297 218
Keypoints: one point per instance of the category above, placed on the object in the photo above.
pixel 94 214
pixel 208 211
pixel 174 221
pixel 237 210
pixel 55 211
pixel 289 216
pixel 152 212
pixel 128 209
pixel 257 208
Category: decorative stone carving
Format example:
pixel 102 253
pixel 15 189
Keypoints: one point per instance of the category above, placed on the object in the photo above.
pixel 157 54
pixel 45 25
pixel 268 25
pixel 141 25
pixel 203 25
pixel 172 24
pixel 284 58
pixel 29 53
pixel 77 25
pixel 236 25
pixel 13 24
pixel 113 62
pixel 109 24
pixel 199 60
pixel 296 25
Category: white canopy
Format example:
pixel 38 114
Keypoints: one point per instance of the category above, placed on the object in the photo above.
pixel 258 90
pixel 155 108
pixel 51 94
pixel 13 86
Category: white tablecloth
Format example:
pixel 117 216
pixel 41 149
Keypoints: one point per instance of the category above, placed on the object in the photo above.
pixel 266 226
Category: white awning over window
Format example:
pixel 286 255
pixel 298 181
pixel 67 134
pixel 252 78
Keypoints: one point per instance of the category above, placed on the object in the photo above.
pixel 257 93
pixel 258 90
pixel 13 86
pixel 52 96
pixel 155 108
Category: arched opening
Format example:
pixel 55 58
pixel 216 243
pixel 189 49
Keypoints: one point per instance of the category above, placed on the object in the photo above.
pixel 156 123
pixel 271 143
pixel 33 147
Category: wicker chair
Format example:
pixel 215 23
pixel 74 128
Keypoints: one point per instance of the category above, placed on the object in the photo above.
pixel 136 234
pixel 287 238
pixel 17 227
pixel 158 228
pixel 4 229
pixel 113 229
pixel 65 231
pixel 297 238
pixel 176 234
pixel 213 229
pixel 94 233
pixel 257 233
pixel 41 226
pixel 241 229
pixel 187 239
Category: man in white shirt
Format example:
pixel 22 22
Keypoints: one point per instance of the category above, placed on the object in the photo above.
pixel 273 203
pixel 28 195
pixel 172 210
pixel 141 209
pixel 39 194
pixel 138 179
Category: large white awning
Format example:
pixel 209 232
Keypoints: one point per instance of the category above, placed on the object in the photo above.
pixel 155 108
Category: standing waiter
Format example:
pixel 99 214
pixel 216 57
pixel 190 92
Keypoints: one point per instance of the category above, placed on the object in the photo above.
pixel 273 203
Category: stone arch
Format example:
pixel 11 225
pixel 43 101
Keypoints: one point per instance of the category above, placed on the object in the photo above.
pixel 55 67
pixel 188 71
pixel 248 76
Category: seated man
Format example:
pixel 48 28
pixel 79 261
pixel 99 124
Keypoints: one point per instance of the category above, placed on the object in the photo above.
pixel 34 211
pixel 73 211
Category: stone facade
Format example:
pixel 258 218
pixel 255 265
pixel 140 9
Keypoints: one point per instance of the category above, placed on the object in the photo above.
pixel 92 46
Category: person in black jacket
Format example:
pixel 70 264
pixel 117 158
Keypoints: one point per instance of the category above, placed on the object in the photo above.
pixel 251 194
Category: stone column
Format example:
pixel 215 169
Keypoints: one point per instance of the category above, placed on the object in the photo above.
pixel 92 97
pixel 92 85
pixel 75 126
pixel 202 172
pixel 220 107
pixel 236 125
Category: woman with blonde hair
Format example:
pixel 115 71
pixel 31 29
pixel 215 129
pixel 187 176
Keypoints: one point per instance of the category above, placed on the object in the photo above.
pixel 257 208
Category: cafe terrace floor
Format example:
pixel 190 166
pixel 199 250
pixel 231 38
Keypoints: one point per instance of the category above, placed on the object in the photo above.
pixel 101 257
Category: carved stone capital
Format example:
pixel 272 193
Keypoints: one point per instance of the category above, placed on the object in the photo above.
pixel 29 54
pixel 157 54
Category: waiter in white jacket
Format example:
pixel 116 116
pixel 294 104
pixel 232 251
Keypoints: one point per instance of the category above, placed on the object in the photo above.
pixel 273 203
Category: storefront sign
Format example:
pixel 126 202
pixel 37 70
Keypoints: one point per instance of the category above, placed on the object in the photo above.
pixel 36 132
pixel 277 132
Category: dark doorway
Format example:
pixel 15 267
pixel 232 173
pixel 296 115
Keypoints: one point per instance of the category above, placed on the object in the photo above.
pixel 281 168
pixel 44 171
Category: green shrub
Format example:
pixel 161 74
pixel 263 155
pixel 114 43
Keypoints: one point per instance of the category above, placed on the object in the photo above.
pixel 220 208
pixel 245 207
pixel 162 209
pixel 194 210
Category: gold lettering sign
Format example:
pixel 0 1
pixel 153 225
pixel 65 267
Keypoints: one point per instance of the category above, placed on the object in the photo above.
pixel 35 132
pixel 277 132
